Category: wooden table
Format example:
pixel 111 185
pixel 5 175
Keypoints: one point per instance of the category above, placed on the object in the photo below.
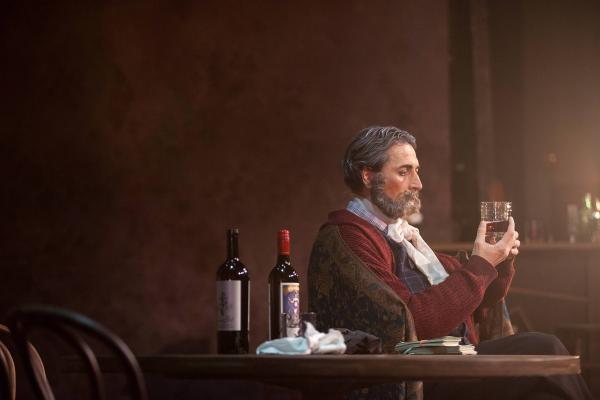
pixel 332 375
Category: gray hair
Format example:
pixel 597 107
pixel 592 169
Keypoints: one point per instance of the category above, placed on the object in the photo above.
pixel 369 150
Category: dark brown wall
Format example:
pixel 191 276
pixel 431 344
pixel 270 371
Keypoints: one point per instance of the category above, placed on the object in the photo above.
pixel 133 135
pixel 546 58
pixel 561 107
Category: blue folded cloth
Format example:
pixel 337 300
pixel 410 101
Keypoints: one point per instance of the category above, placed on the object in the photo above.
pixel 286 345
pixel 313 341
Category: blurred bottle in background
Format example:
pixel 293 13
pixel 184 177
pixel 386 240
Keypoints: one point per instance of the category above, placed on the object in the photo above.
pixel 583 224
pixel 572 222
pixel 596 220
pixel 585 231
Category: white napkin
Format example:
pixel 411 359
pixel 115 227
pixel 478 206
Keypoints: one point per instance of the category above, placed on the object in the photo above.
pixel 331 342
pixel 418 251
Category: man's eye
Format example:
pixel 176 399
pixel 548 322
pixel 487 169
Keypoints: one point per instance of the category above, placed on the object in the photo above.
pixel 403 172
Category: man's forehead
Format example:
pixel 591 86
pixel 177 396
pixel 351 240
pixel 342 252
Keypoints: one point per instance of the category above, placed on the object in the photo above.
pixel 402 153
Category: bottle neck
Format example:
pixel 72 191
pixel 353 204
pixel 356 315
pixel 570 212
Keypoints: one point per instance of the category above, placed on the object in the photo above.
pixel 283 243
pixel 232 244
pixel 283 258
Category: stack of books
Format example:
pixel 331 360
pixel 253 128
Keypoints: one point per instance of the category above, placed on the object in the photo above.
pixel 443 345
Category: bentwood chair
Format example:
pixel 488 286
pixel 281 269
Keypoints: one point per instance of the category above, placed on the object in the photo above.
pixel 69 326
pixel 8 376
pixel 8 380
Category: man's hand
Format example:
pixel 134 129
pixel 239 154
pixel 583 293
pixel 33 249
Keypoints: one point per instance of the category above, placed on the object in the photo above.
pixel 495 253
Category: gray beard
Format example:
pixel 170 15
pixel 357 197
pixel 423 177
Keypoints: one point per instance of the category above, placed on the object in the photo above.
pixel 406 204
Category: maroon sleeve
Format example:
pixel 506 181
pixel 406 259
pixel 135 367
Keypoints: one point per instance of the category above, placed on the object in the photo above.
pixel 440 308
pixel 499 288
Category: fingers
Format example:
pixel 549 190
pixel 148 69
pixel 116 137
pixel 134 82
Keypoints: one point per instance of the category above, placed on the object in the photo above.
pixel 481 231
pixel 509 244
pixel 511 225
pixel 510 235
pixel 496 252
pixel 514 251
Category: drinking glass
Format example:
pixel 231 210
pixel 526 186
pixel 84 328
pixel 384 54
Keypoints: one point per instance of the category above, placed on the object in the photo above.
pixel 496 214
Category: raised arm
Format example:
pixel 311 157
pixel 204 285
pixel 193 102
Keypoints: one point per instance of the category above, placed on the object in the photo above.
pixel 439 309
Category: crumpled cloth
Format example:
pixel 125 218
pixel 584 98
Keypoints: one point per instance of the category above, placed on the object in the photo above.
pixel 359 342
pixel 313 342
pixel 418 251
pixel 286 345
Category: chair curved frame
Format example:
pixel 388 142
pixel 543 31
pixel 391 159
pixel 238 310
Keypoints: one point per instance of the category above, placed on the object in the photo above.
pixel 8 381
pixel 8 376
pixel 67 325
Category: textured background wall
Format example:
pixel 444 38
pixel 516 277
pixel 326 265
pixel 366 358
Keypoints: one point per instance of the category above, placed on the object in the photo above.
pixel 133 135
pixel 546 100
pixel 561 101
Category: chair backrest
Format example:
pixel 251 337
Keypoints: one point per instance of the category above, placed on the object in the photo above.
pixel 8 380
pixel 346 294
pixel 69 325
pixel 8 376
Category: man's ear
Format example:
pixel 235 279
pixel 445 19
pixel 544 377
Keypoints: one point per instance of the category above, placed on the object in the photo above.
pixel 367 177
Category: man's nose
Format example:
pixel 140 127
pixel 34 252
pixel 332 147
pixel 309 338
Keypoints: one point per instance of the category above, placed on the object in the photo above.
pixel 416 183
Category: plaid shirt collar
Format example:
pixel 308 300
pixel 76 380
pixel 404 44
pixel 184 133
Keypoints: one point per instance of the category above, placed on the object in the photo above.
pixel 363 208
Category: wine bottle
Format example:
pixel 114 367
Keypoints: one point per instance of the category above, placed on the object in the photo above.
pixel 233 301
pixel 284 291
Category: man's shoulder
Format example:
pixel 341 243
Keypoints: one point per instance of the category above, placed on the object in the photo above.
pixel 347 219
pixel 348 234
pixel 353 229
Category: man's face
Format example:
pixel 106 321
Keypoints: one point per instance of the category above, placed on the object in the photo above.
pixel 395 190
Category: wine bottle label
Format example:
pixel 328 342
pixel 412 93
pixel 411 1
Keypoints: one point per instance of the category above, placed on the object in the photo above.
pixel 229 305
pixel 290 304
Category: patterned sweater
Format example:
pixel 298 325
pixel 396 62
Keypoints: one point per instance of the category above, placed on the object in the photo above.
pixel 468 294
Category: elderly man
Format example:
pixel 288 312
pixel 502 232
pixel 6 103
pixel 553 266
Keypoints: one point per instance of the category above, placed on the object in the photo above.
pixel 371 270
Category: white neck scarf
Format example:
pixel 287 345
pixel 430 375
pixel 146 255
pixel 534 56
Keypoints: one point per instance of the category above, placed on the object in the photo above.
pixel 401 232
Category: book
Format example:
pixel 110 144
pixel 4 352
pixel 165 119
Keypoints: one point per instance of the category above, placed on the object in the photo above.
pixel 443 345
pixel 461 349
